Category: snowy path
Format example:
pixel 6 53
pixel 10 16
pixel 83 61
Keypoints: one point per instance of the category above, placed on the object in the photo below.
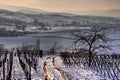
pixel 51 72
pixel 35 75
pixel 17 71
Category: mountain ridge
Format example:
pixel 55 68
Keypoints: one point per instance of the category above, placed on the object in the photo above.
pixel 22 9
pixel 109 12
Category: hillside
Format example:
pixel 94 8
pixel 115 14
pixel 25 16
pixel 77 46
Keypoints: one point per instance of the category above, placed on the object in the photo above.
pixel 57 19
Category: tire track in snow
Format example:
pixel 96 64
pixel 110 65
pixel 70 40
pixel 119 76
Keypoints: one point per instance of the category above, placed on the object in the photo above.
pixel 47 74
pixel 51 72
pixel 62 75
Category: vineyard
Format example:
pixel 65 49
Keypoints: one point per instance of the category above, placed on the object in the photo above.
pixel 106 65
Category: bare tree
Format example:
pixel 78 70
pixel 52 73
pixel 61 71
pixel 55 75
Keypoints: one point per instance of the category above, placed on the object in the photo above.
pixel 36 22
pixel 93 40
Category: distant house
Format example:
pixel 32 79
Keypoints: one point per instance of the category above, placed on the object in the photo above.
pixel 32 28
pixel 20 30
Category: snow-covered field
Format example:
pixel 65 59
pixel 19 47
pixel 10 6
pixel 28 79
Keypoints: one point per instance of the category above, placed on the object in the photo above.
pixel 52 67
pixel 78 73
pixel 59 71
pixel 72 73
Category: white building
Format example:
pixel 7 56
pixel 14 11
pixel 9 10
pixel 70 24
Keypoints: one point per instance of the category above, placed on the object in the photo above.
pixel 32 28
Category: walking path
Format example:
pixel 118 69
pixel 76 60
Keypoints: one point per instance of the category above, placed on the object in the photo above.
pixel 51 72
pixel 17 71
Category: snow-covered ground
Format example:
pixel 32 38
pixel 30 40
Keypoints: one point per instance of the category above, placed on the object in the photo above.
pixel 72 73
pixel 1 71
pixel 17 71
pixel 53 67
pixel 34 74
pixel 78 73
pixel 5 66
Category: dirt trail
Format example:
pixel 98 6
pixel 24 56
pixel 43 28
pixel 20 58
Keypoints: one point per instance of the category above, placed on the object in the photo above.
pixel 50 70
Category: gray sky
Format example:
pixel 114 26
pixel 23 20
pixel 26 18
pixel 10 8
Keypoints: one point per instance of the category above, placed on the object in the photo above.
pixel 65 5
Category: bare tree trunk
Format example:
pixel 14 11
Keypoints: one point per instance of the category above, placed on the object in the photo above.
pixel 90 58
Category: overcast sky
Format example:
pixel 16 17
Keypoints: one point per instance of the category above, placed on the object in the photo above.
pixel 65 5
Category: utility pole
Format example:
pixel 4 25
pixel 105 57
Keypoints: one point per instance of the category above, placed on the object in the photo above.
pixel 38 44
